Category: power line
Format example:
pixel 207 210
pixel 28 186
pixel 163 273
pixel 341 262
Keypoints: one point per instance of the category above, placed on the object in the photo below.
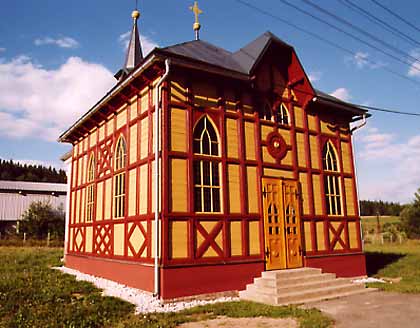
pixel 380 22
pixel 393 13
pixel 358 29
pixel 330 43
pixel 333 44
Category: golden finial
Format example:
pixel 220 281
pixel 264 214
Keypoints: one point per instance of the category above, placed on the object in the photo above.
pixel 196 26
pixel 135 14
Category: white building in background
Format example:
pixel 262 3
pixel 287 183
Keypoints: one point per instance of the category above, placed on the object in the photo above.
pixel 16 196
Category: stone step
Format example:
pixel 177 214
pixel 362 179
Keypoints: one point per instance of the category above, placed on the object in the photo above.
pixel 285 274
pixel 296 287
pixel 293 281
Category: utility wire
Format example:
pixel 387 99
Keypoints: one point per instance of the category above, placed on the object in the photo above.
pixel 360 30
pixel 333 44
pixel 330 43
pixel 380 22
pixel 393 13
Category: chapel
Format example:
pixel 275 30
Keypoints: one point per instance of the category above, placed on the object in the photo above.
pixel 203 168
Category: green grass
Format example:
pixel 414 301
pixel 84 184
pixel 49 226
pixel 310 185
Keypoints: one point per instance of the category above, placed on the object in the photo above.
pixel 395 261
pixel 369 223
pixel 34 295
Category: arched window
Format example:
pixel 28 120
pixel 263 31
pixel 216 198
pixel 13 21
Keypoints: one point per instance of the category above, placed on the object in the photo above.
pixel 90 198
pixel 331 179
pixel 206 167
pixel 267 114
pixel 119 178
pixel 282 115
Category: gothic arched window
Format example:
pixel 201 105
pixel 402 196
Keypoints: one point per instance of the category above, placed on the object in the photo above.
pixel 331 179
pixel 119 178
pixel 206 167
pixel 282 115
pixel 90 198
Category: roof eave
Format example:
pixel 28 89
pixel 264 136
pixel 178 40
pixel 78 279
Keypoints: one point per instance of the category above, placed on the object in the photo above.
pixel 350 108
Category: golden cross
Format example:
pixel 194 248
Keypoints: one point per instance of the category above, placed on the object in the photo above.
pixel 197 11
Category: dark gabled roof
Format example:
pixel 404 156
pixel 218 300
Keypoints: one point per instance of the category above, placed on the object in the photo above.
pixel 205 52
pixel 327 98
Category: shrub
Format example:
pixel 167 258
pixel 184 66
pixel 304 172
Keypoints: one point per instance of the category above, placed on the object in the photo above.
pixel 41 218
pixel 410 217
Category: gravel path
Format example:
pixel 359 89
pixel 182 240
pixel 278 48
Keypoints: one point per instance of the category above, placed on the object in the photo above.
pixel 144 302
pixel 259 322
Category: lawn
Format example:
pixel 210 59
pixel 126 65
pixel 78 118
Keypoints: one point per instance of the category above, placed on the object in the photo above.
pixel 369 223
pixel 34 295
pixel 395 261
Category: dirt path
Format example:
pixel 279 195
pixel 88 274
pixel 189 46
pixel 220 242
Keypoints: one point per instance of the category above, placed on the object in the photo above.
pixel 259 322
pixel 373 310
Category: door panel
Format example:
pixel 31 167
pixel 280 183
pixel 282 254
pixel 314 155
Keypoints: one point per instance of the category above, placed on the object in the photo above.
pixel 281 224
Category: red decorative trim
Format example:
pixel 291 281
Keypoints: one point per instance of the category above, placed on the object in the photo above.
pixel 276 145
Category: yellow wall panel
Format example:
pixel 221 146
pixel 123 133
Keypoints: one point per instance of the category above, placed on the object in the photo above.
pixel 144 138
pixel 84 171
pixel 108 198
pixel 318 194
pixel 179 239
pixel 122 117
pixel 92 138
pixel 89 239
pixel 77 217
pixel 83 206
pixel 179 129
pixel 287 160
pixel 353 238
pixel 250 140
pixel 234 188
pixel 119 239
pixel 348 183
pixel 313 143
pixel 232 138
pixel 143 194
pixel 312 122
pixel 345 151
pixel 320 241
pixel 102 132
pixel 71 239
pixel 137 239
pixel 153 239
pixel 236 238
pixel 179 185
pixel 208 226
pixel 133 144
pixel 303 179
pixel 99 201
pixel 110 126
pixel 286 135
pixel 253 192
pixel 178 93
pixel 133 108
pixel 267 158
pixel 132 192
pixel 144 102
pixel 80 171
pixel 73 207
pixel 326 128
pixel 308 240
pixel 298 117
pixel 301 153
pixel 265 131
pixel 278 173
pixel 254 238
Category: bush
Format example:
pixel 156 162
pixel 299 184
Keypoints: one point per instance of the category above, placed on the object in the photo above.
pixel 41 218
pixel 410 217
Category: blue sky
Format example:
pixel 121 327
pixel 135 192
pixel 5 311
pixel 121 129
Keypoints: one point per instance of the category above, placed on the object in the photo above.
pixel 57 59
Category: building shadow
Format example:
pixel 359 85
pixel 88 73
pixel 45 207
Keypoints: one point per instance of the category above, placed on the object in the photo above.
pixel 376 261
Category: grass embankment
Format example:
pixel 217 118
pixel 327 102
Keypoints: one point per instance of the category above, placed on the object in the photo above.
pixel 395 261
pixel 33 295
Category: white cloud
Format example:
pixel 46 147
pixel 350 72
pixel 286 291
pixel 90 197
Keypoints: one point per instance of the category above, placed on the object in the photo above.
pixel 314 76
pixel 147 44
pixel 2 49
pixel 414 69
pixel 394 162
pixel 63 42
pixel 41 103
pixel 362 60
pixel 341 93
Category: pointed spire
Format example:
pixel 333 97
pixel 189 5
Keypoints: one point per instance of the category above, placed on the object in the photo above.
pixel 134 52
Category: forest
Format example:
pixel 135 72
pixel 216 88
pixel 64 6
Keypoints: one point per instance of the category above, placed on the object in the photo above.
pixel 379 207
pixel 15 171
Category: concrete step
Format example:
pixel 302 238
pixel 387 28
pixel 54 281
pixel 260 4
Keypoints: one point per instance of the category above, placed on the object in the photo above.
pixel 293 281
pixel 296 287
pixel 285 274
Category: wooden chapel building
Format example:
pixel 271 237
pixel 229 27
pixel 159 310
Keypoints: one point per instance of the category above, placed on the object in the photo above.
pixel 256 171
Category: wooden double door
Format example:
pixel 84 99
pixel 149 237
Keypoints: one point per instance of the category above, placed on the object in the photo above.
pixel 282 227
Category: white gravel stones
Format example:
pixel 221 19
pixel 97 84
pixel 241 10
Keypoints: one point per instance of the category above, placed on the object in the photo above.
pixel 367 280
pixel 144 302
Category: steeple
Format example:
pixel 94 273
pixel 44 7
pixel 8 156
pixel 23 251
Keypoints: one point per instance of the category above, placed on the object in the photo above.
pixel 134 53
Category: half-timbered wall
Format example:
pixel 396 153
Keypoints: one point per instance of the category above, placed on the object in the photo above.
pixel 128 237
pixel 236 233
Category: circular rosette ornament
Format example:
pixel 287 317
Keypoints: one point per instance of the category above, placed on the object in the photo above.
pixel 276 145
